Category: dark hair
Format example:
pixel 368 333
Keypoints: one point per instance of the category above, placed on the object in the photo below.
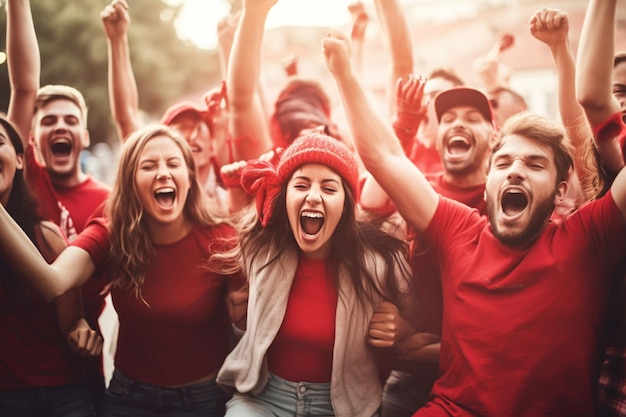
pixel 21 205
pixel 301 104
pixel 447 74
pixel 351 244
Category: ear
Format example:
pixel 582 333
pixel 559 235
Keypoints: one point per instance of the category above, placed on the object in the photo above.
pixel 19 161
pixel 492 140
pixel 31 139
pixel 561 192
pixel 86 139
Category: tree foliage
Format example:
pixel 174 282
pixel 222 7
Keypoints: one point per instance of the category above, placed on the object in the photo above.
pixel 73 51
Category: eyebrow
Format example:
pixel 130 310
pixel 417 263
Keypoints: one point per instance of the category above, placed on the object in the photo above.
pixel 304 177
pixel 526 158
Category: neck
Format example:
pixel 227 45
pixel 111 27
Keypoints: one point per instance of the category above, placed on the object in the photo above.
pixel 464 180
pixel 165 233
pixel 71 180
pixel 203 174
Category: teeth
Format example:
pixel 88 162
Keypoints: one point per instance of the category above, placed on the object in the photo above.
pixel 312 215
pixel 458 139
pixel 61 140
pixel 164 190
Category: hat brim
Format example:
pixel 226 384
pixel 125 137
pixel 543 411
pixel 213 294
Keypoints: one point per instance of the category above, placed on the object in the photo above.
pixel 184 107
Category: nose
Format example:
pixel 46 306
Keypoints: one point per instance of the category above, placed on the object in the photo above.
pixel 163 173
pixel 314 196
pixel 515 171
pixel 60 124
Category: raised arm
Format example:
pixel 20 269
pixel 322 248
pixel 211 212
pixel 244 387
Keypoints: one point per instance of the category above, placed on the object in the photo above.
pixel 492 72
pixel 70 269
pixel 551 27
pixel 378 147
pixel 595 61
pixel 123 94
pixel 398 41
pixel 359 23
pixel 249 124
pixel 23 63
pixel 593 78
pixel 409 116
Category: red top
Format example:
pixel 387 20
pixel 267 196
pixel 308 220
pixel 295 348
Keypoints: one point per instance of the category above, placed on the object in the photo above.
pixel 32 351
pixel 427 282
pixel 180 333
pixel 611 128
pixel 426 159
pixel 522 325
pixel 70 208
pixel 303 348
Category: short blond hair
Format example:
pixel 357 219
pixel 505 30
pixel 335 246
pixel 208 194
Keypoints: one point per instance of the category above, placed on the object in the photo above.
pixel 50 93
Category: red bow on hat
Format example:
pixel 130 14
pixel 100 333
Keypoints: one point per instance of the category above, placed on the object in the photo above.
pixel 261 178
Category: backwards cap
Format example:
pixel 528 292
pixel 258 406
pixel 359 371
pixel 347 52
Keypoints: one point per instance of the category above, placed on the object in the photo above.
pixel 262 178
pixel 463 96
pixel 183 107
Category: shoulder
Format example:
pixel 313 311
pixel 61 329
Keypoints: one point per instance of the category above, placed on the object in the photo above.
pixel 95 186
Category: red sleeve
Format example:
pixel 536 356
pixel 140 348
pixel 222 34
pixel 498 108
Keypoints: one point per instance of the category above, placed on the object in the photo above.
pixel 610 129
pixel 95 240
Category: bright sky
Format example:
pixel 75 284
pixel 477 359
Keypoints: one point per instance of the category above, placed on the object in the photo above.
pixel 198 19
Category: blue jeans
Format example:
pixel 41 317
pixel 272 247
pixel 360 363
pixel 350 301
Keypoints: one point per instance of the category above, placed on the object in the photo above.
pixel 403 395
pixel 128 398
pixel 71 400
pixel 282 398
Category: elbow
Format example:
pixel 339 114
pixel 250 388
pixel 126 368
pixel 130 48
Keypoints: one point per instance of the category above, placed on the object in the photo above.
pixel 51 294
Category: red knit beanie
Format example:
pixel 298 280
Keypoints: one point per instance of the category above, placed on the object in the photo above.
pixel 262 178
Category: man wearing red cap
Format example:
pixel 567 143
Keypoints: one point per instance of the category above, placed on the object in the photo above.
pixel 466 129
pixel 524 298
pixel 205 127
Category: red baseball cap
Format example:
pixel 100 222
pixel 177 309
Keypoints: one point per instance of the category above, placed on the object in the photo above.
pixel 183 107
pixel 463 96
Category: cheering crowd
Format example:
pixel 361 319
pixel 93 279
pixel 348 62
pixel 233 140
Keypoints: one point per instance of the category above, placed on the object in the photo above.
pixel 462 257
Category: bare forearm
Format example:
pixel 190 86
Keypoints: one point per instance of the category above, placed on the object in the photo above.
pixel 248 123
pixel 398 39
pixel 23 63
pixel 572 114
pixel 244 66
pixel 595 61
pixel 123 93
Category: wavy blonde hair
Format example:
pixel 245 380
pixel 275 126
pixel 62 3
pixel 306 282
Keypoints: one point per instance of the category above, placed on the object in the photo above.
pixel 131 244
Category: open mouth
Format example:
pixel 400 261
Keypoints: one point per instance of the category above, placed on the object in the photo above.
pixel 458 145
pixel 165 196
pixel 514 202
pixel 61 147
pixel 311 222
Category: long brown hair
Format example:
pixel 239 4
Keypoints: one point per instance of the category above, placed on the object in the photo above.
pixel 131 244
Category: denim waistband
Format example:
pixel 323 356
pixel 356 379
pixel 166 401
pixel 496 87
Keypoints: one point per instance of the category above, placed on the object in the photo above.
pixel 126 385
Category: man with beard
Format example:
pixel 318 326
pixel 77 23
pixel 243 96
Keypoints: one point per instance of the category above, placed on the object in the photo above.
pixel 524 297
pixel 464 135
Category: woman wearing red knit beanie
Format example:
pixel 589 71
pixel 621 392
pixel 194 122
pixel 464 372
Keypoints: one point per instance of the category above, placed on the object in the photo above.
pixel 315 277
